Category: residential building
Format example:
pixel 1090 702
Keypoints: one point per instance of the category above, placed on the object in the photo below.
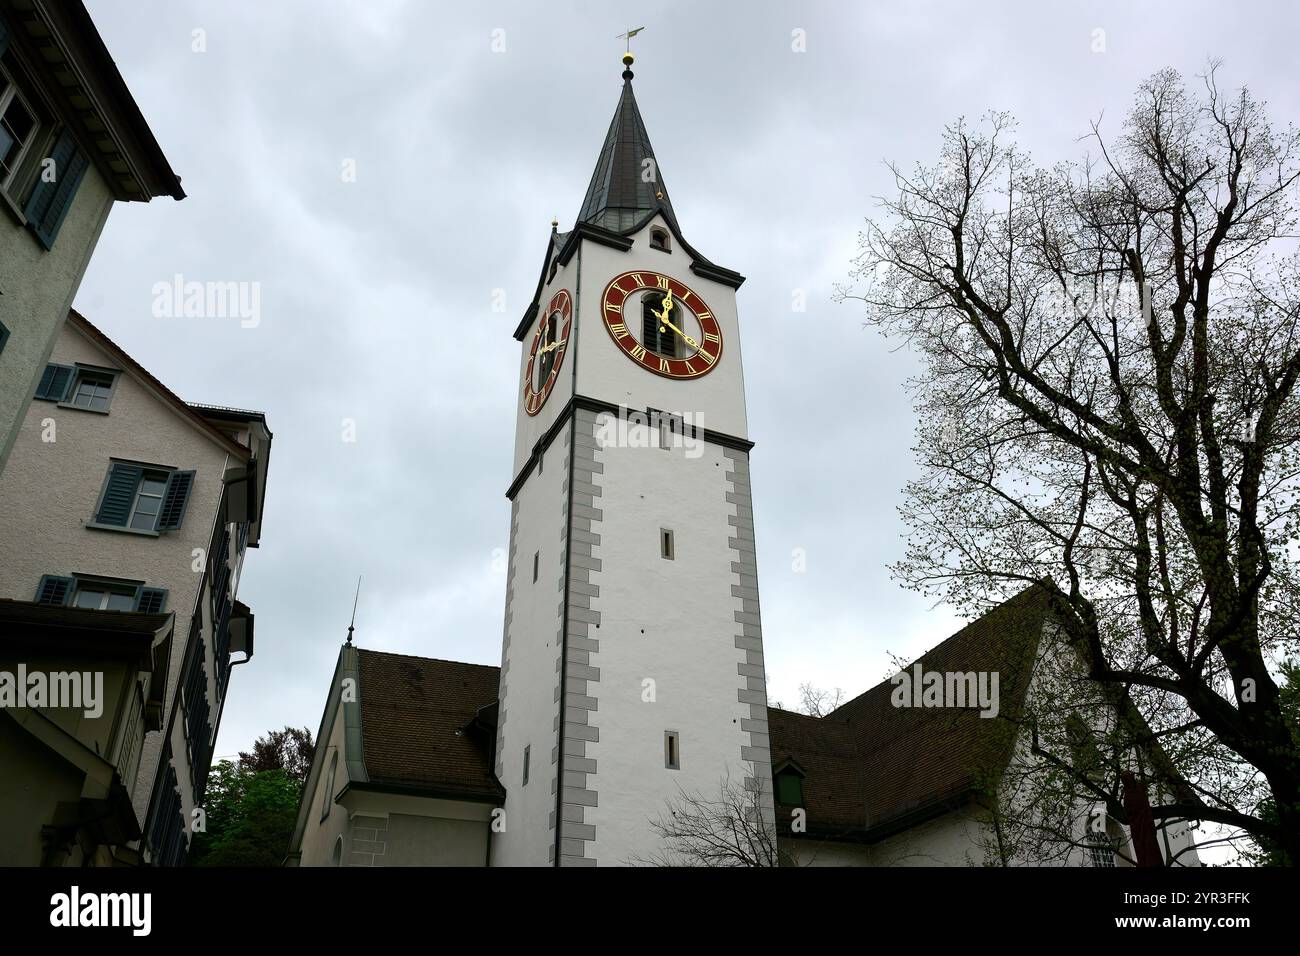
pixel 120 498
pixel 72 143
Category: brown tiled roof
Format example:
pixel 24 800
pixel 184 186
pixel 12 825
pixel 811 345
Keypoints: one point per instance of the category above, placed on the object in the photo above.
pixel 418 724
pixel 871 766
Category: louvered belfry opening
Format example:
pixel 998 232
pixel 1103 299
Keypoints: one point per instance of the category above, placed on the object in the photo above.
pixel 663 342
pixel 627 184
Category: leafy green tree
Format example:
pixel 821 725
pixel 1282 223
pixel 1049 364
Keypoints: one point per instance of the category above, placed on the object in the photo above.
pixel 251 804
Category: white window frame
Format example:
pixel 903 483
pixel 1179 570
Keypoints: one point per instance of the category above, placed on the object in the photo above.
pixel 148 475
pixel 9 91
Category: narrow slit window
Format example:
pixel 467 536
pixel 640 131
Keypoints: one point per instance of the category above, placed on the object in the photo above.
pixel 672 750
pixel 666 544
pixel 536 558
pixel 528 752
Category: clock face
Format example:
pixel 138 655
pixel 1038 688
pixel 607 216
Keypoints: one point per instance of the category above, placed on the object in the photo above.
pixel 546 355
pixel 662 325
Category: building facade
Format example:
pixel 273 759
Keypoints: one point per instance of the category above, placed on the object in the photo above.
pixel 119 497
pixel 72 142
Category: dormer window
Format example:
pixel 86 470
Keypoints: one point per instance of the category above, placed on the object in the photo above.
pixel 659 240
pixel 787 781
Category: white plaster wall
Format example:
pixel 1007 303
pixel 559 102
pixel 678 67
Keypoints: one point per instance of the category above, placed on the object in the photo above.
pixel 666 621
pixel 49 492
pixel 38 287
pixel 530 677
pixel 319 836
pixel 953 839
pixel 606 373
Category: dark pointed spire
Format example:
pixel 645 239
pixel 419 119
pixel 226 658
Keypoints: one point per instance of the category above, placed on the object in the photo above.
pixel 625 188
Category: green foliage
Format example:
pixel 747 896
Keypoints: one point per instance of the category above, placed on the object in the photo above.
pixel 252 804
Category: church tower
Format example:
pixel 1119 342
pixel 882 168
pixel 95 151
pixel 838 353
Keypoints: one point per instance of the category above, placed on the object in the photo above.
pixel 632 658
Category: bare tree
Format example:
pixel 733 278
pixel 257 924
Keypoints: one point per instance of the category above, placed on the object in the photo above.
pixel 733 828
pixel 818 702
pixel 1111 349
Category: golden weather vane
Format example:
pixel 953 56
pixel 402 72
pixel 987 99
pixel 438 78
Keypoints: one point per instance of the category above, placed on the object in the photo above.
pixel 628 37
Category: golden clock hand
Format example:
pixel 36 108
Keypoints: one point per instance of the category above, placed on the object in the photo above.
pixel 685 338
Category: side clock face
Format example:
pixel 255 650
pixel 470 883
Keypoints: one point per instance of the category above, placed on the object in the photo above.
pixel 662 325
pixel 546 354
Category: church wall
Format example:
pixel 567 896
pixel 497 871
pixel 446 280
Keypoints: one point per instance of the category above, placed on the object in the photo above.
pixel 434 841
pixel 529 687
pixel 319 836
pixel 953 839
pixel 668 657
pixel 606 373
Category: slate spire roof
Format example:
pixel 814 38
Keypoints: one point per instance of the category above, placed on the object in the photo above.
pixel 624 188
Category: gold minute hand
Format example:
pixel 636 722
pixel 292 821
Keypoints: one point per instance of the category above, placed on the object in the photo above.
pixel 663 317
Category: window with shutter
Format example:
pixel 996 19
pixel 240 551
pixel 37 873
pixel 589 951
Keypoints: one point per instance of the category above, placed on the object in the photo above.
pixel 92 389
pixel 54 383
pixel 54 589
pixel 50 200
pixel 141 498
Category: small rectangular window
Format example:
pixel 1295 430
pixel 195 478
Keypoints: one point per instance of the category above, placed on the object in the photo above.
pixel 91 390
pixel 665 433
pixel 541 460
pixel 528 751
pixel 536 557
pixel 666 544
pixel 672 754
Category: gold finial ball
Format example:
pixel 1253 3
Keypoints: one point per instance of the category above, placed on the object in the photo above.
pixel 627 59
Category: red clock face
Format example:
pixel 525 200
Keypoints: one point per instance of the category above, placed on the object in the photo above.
pixel 546 355
pixel 662 325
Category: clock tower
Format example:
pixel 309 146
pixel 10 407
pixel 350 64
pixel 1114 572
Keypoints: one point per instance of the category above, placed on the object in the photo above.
pixel 632 656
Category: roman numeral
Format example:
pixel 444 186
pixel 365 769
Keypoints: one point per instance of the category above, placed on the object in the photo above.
pixel 637 280
pixel 710 337
pixel 663 365
pixel 638 352
pixel 710 359
pixel 661 281
pixel 705 315
pixel 619 329
pixel 615 307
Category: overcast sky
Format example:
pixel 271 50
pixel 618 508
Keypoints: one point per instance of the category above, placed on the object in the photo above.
pixel 377 295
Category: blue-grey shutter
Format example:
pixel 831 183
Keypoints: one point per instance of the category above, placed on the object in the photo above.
pixel 176 497
pixel 54 589
pixel 50 201
pixel 119 493
pixel 55 381
pixel 151 600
